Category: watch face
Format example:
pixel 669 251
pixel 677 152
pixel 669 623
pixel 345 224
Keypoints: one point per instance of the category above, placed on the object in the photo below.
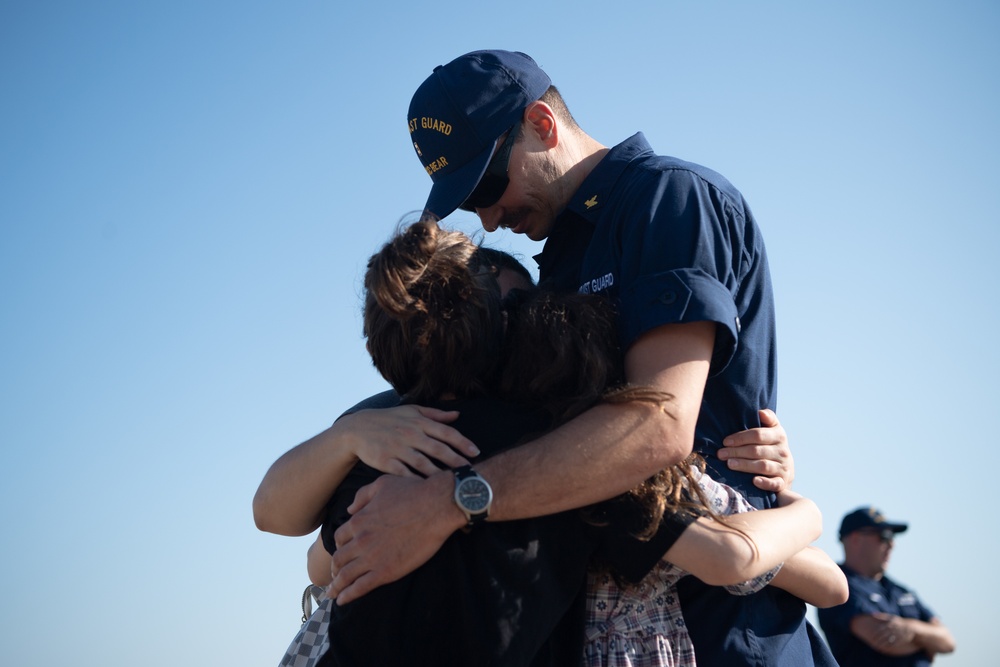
pixel 475 495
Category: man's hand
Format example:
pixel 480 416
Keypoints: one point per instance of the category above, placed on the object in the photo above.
pixel 397 524
pixel 763 452
pixel 400 440
pixel 886 633
pixel 892 631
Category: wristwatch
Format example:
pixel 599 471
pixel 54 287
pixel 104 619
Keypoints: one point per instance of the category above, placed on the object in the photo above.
pixel 473 495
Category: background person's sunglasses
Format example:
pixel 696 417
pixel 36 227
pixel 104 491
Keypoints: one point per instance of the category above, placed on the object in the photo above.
pixel 883 535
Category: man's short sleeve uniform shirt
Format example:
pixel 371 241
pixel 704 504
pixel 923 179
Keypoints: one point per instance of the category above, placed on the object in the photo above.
pixel 673 242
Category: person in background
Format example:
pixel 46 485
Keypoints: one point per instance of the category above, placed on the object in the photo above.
pixel 882 623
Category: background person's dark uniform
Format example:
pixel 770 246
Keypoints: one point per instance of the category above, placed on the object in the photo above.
pixel 869 596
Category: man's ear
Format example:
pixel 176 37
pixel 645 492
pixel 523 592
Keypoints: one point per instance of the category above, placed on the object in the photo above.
pixel 541 121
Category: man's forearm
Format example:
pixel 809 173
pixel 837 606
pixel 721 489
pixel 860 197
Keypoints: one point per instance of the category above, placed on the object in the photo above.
pixel 898 636
pixel 932 637
pixel 398 523
pixel 611 448
pixel 603 452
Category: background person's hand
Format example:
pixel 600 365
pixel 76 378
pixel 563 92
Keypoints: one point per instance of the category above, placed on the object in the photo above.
pixel 893 632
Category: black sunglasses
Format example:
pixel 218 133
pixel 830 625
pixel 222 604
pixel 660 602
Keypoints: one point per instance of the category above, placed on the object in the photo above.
pixel 883 535
pixel 494 181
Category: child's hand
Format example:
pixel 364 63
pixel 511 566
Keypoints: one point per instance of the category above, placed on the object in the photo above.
pixel 762 451
pixel 787 496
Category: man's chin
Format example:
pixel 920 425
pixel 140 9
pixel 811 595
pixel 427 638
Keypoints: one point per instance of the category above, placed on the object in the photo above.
pixel 529 223
pixel 517 221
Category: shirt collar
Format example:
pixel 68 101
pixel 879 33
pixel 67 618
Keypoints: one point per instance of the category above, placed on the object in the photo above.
pixel 595 191
pixel 574 227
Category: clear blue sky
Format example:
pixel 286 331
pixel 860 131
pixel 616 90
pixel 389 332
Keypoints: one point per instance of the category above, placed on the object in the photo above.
pixel 189 191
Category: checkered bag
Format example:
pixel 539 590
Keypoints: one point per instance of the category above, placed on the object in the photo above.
pixel 311 641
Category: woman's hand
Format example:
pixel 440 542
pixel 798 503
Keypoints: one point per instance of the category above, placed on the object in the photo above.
pixel 403 440
pixel 407 440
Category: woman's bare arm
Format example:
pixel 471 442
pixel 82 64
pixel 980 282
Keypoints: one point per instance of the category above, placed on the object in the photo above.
pixel 398 441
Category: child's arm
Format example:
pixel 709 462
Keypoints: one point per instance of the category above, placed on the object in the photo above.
pixel 812 576
pixel 720 555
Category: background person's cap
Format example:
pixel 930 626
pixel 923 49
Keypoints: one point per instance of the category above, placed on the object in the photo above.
pixel 459 112
pixel 868 517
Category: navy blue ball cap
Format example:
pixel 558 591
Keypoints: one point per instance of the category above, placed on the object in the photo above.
pixel 459 112
pixel 868 517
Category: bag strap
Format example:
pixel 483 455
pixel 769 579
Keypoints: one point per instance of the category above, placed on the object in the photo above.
pixel 309 595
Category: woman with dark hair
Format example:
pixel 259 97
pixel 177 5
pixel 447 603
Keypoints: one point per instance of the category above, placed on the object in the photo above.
pixel 509 593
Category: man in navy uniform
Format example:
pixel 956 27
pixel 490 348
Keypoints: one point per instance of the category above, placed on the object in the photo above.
pixel 675 247
pixel 882 623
